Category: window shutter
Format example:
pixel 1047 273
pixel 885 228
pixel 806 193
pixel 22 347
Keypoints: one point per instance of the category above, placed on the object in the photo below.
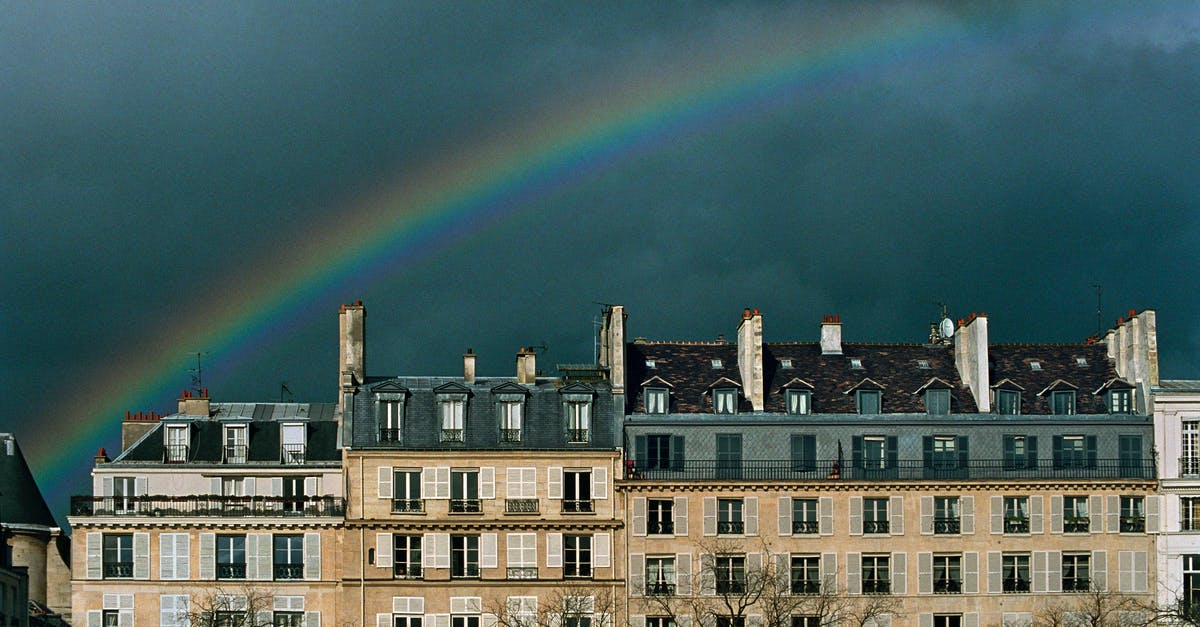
pixel 166 557
pixel 1089 445
pixel 1056 513
pixel 1100 570
pixel 429 544
pixel 312 556
pixel 683 574
pixel 141 556
pixel 754 620
pixel 124 618
pixel 312 619
pixel 554 480
pixel 896 515
pixel 971 619
pixel 785 516
pixel 208 556
pixel 106 487
pixel 899 573
pixel 1124 571
pixel 825 511
pixel 927 451
pixel 95 556
pixel 997 514
pixel 1053 571
pixel 1140 571
pixel 680 512
pixel 599 482
pixel 1035 514
pixel 856 454
pixel 441 483
pixel 995 572
pixel 925 619
pixel 677 455
pixel 276 486
pixel 1039 567
pixel 751 515
pixel 554 550
pixel 441 550
pixel 1096 513
pixel 385 620
pixel 924 573
pixel 856 527
pixel 1112 514
pixel 637 574
pixel 249 486
pixel 893 455
pixel 601 550
pixel 429 483
pixel 641 450
pixel 637 620
pixel 971 572
pixel 383 550
pixel 754 566
pixel 964 457
pixel 829 571
pixel 926 515
pixel 139 486
pixel 487 482
pixel 968 515
pixel 385 482
pixel 708 575
pixel 1031 455
pixel 1058 451
pixel 1018 619
pixel 95 618
pixel 1152 508
pixel 639 515
pixel 488 551
pixel 710 515
pixel 266 557
pixel 781 574
pixel 854 573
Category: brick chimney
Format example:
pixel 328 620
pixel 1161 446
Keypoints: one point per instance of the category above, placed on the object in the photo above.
pixel 526 366
pixel 469 366
pixel 194 404
pixel 971 359
pixel 831 335
pixel 135 426
pixel 1133 345
pixel 750 357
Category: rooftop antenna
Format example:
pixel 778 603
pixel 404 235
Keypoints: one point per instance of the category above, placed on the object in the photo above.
pixel 283 387
pixel 198 374
pixel 940 332
pixel 597 324
pixel 1099 324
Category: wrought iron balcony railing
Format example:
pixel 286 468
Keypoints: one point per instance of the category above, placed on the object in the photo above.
pixel 806 586
pixel 805 526
pixel 947 586
pixel 521 506
pixel 1015 585
pixel 731 526
pixel 902 470
pixel 725 586
pixel 577 436
pixel 408 506
pixel 1133 524
pixel 235 454
pixel 389 435
pixel 289 571
pixel 1076 524
pixel 466 506
pixel 578 506
pixel 293 454
pixel 1076 584
pixel 522 572
pixel 118 570
pixel 468 571
pixel 661 527
pixel 452 435
pixel 876 526
pixel 208 506
pixel 176 453
pixel 660 588
pixel 231 571
pixel 876 586
pixel 1016 525
pixel 510 436
pixel 947 526
pixel 401 570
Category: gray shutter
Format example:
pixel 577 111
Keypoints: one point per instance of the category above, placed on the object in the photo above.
pixel 899 573
pixel 487 482
pixel 1039 566
pixel 854 573
pixel 1152 509
pixel 139 486
pixel 1113 514
pixel 276 486
pixel 95 618
pixel 637 574
pixel 754 566
pixel 926 515
pixel 896 515
pixel 829 570
pixel 785 516
pixel 312 619
pixel 1053 571
pixel 554 550
pixel 971 572
pixel 856 526
pixel 385 482
pixel 825 511
pixel 601 550
pixel 751 515
pixel 997 513
pixel 489 550
pixel 782 573
pixel 95 555
pixel 208 556
pixel 312 555
pixel 1140 571
pixel 383 549
pixel 680 512
pixel 215 485
pixel 554 481
pixel 1100 570
pixel 924 573
pixel 1035 514
pixel 1056 513
pixel 166 556
pixel 708 577
pixel 141 555
pixel 1096 514
pixel 971 619
pixel 925 619
pixel 683 574
pixel 710 515
pixel 637 620
pixel 1124 571
pixel 639 515
pixel 995 576
pixel 600 482
pixel 968 515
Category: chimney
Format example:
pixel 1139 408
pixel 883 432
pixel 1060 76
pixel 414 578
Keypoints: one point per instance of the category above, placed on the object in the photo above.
pixel 831 335
pixel 195 404
pixel 469 366
pixel 1133 345
pixel 352 339
pixel 526 366
pixel 101 457
pixel 135 426
pixel 750 357
pixel 612 346
pixel 971 359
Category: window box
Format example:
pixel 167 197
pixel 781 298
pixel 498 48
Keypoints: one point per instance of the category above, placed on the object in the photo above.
pixel 578 506
pixel 521 506
pixel 408 506
pixel 465 506
pixel 522 572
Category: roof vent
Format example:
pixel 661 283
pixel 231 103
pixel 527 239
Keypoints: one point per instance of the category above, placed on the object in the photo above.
pixel 785 363
pixel 923 364
pixel 856 363
pixel 1081 362
pixel 650 364
pixel 1035 366
pixel 716 363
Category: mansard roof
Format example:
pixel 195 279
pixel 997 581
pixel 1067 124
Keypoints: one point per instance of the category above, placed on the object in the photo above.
pixel 687 367
pixel 1082 367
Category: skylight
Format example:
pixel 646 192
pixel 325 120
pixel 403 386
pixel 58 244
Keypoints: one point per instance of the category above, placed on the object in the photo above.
pixel 716 363
pixel 923 364
pixel 786 363
pixel 1081 362
pixel 1035 365
pixel 856 363
pixel 650 363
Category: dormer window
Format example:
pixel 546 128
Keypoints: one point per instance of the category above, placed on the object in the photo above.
pixel 656 400
pixel 234 451
pixel 725 401
pixel 868 401
pixel 856 364
pixel 1035 366
pixel 937 402
pixel 452 410
pixel 1062 402
pixel 650 364
pixel 786 364
pixel 799 402
pixel 510 420
pixel 292 436
pixel 1120 401
pixel 716 364
pixel 1081 362
pixel 1008 402
pixel 579 421
pixel 177 444
pixel 923 364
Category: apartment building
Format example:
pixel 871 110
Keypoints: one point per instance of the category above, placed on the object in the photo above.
pixel 479 501
pixel 212 513
pixel 943 484
pixel 1177 432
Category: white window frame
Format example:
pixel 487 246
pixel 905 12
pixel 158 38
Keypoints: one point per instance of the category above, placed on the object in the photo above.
pixel 658 400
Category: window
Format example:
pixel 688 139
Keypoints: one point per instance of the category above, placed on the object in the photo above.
pixel 875 515
pixel 656 400
pixel 464 621
pixel 1133 514
pixel 229 619
pixel 1035 366
pixel 235 444
pixel 118 555
pixel 804 452
pixel 578 421
pixel 806 621
pixel 945 452
pixel 1008 402
pixel 289 556
pixel 946 515
pixel 786 364
pixel 875 577
pixel 577 556
pixel 288 619
pixel 124 489
pixel 729 455
pixel 1189 516
pixel 659 518
pixel 660 621
pixel 947 574
pixel 923 364
pixel 464 491
pixel 806 574
pixel 1081 362
pixel 731 621
pixel 293 438
pixel 856 363
pixel 937 402
pixel 868 401
pixel 406 491
pixel 464 556
pixel 1016 514
pixel 1015 573
pixel 804 516
pixel 510 421
pixel 660 575
pixel 406 621
pixel 407 556
pixel 390 415
pixel 231 557
pixel 177 444
pixel 729 516
pixel 1075 514
pixel 1190 595
pixel 1120 402
pixel 1062 402
pixel 577 491
pixel 452 411
pixel 1189 464
pixel 111 618
pixel 1020 452
pixel 660 452
pixel 799 402
pixel 716 364
pixel 730 573
pixel 1075 451
pixel 725 401
pixel 874 453
pixel 650 364
pixel 576 620
pixel 522 556
pixel 1129 451
pixel 947 620
pixel 1076 572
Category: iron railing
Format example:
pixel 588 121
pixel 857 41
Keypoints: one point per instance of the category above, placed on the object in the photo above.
pixel 293 454
pixel 577 435
pixel 946 526
pixel 1133 524
pixel 661 527
pixel 1076 524
pixel 403 570
pixel 876 586
pixel 289 571
pixel 805 526
pixel 876 526
pixel 465 571
pixel 231 571
pixel 175 453
pixel 118 570
pixel 521 506
pixel 208 506
pixel 466 506
pixel 902 470
pixel 1189 466
pixel 947 586
pixel 578 506
pixel 522 572
pixel 1016 524
pixel 235 454
pixel 1015 585
pixel 659 588
pixel 402 506
pixel 389 435
pixel 510 436
pixel 1076 584
pixel 730 526
pixel 452 435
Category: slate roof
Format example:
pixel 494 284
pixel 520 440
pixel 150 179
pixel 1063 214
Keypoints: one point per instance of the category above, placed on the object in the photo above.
pixel 21 501
pixel 1179 385
pixel 687 367
pixel 1058 363
pixel 263 439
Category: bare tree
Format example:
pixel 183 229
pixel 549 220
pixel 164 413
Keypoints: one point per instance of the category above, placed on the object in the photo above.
pixel 242 606
pixel 1097 608
pixel 582 604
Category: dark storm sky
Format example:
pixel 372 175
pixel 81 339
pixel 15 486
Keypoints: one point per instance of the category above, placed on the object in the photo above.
pixel 151 152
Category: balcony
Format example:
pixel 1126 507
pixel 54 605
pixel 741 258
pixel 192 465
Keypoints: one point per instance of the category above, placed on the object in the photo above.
pixel 1133 524
pixel 452 435
pixel 1076 524
pixel 522 572
pixel 659 588
pixel 521 506
pixel 118 570
pixel 731 527
pixel 1076 584
pixel 1016 524
pixel 176 453
pixel 510 436
pixel 660 527
pixel 408 506
pixel 577 436
pixel 584 506
pixel 806 587
pixel 1015 586
pixel 946 526
pixel 208 506
pixel 726 586
pixel 947 586
pixel 903 470
pixel 231 571
pixel 468 571
pixel 876 526
pixel 400 570
pixel 389 436
pixel 292 454
pixel 289 571
pixel 465 506
pixel 805 526
pixel 234 454
pixel 876 586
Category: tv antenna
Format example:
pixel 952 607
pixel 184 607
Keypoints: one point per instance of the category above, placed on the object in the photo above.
pixel 283 387
pixel 1099 324
pixel 198 374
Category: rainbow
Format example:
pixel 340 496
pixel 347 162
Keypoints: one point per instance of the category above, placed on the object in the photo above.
pixel 464 192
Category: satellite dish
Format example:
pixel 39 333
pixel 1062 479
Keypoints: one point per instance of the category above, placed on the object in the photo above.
pixel 947 328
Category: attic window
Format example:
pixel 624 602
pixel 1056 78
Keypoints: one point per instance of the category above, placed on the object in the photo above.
pixel 650 363
pixel 1081 362
pixel 1035 366
pixel 785 363
pixel 856 363
pixel 716 363
pixel 923 364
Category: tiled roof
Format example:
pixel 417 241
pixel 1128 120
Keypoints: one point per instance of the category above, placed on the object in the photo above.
pixel 688 366
pixel 1055 363
pixel 21 501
